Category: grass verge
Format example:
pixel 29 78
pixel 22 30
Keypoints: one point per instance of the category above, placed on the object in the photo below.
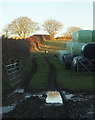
pixel 69 79
pixel 39 80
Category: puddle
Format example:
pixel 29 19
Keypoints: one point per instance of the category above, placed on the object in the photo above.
pixel 82 98
pixel 6 109
pixel 78 97
pixel 63 92
pixel 19 90
pixel 69 96
pixel 37 95
pixel 53 97
pixel 27 95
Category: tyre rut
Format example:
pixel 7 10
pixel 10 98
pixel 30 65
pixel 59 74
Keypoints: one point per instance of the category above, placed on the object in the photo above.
pixel 30 74
pixel 52 84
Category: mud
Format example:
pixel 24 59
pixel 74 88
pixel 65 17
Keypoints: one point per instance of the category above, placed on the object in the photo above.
pixel 36 107
pixel 32 105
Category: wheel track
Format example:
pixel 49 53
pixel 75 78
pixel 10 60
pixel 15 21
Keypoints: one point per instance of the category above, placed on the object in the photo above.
pixel 30 75
pixel 52 84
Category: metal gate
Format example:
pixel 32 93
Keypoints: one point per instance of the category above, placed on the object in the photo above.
pixel 14 73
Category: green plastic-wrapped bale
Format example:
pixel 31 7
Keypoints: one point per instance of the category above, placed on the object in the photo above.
pixel 74 47
pixel 69 47
pixel 84 36
pixel 74 37
pixel 61 52
pixel 93 37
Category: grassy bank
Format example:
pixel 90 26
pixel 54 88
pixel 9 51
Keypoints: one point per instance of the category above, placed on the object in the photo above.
pixel 13 50
pixel 40 79
pixel 53 46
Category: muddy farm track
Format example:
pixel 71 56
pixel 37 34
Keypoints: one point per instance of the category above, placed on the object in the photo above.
pixel 52 84
pixel 35 106
pixel 30 75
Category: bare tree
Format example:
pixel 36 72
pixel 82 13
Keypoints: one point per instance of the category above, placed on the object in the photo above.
pixel 5 31
pixel 52 27
pixel 71 30
pixel 23 27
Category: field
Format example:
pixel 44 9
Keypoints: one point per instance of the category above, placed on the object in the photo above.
pixel 53 46
pixel 69 79
pixel 37 75
pixel 66 79
pixel 44 72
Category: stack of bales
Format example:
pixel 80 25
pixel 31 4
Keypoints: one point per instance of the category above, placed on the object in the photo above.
pixel 79 39
pixel 74 48
pixel 83 36
pixel 93 36
pixel 61 52
pixel 74 37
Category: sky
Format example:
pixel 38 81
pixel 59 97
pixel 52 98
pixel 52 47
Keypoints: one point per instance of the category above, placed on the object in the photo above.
pixel 79 14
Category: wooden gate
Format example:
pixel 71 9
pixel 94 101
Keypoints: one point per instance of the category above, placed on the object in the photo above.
pixel 84 65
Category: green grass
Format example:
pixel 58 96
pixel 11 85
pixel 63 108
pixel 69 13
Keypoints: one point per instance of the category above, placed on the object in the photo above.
pixel 53 46
pixel 71 80
pixel 39 80
pixel 26 67
pixel 67 79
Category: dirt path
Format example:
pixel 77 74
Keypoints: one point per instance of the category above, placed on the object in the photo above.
pixel 52 84
pixel 34 107
pixel 30 75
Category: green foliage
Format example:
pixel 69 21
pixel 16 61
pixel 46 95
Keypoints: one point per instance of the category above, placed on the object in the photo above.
pixel 13 49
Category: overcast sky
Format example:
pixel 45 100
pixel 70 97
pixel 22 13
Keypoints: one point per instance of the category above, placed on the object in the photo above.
pixel 78 14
